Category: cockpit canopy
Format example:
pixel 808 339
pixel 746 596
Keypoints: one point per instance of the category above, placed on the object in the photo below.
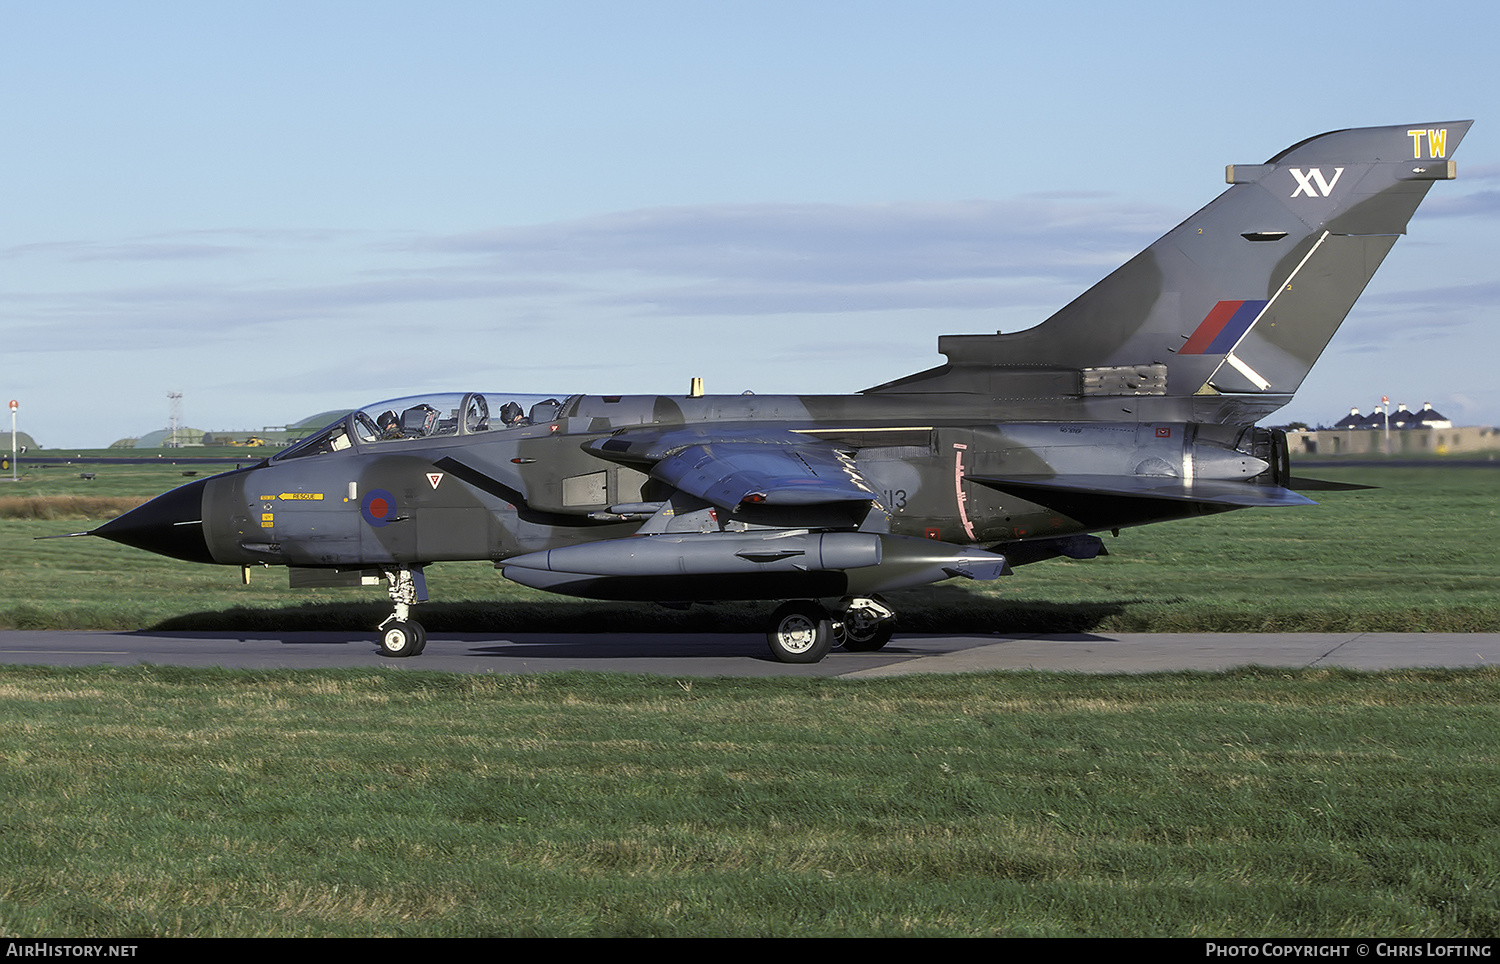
pixel 429 416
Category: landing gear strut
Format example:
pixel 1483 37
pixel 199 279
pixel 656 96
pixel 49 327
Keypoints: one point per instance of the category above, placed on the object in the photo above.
pixel 868 623
pixel 400 635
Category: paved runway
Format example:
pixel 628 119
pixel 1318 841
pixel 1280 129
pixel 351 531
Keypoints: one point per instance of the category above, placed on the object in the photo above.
pixel 691 654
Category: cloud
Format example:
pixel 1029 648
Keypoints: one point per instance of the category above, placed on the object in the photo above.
pixel 730 260
pixel 1482 294
pixel 156 252
pixel 837 244
pixel 1479 204
pixel 791 258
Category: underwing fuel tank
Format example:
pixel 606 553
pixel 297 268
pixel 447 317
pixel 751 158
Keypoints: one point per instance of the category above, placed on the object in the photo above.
pixel 772 565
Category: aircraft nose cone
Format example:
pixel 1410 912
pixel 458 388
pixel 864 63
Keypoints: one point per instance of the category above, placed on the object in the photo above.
pixel 169 525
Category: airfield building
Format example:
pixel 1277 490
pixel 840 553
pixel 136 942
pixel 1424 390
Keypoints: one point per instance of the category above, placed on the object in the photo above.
pixel 1427 432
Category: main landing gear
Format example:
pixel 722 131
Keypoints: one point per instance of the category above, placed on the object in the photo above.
pixel 803 631
pixel 400 635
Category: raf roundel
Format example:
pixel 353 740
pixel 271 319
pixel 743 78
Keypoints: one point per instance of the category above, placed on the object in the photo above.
pixel 378 507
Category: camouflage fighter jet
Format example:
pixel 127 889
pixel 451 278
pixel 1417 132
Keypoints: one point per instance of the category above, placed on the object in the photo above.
pixel 1134 404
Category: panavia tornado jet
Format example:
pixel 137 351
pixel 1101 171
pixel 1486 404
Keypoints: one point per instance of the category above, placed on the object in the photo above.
pixel 1136 403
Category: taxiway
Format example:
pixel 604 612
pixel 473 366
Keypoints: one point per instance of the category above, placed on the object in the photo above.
pixel 694 654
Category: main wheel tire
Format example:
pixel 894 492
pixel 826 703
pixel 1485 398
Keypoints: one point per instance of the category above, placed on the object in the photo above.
pixel 401 639
pixel 801 632
pixel 866 637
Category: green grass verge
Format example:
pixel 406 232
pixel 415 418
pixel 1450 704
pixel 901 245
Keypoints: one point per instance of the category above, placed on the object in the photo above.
pixel 1416 554
pixel 155 801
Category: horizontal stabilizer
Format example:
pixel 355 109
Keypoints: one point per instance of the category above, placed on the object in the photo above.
pixel 1322 485
pixel 1230 495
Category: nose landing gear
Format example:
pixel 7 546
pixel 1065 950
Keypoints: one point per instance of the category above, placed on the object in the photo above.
pixel 400 635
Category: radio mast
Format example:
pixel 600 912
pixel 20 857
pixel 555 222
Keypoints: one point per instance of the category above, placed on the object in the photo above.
pixel 176 416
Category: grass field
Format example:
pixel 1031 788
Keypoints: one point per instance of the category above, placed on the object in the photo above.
pixel 163 802
pixel 1419 553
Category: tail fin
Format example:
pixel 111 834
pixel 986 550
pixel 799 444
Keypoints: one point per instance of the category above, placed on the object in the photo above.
pixel 1240 299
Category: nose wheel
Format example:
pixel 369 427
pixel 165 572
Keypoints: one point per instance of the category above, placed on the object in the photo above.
pixel 402 639
pixel 400 635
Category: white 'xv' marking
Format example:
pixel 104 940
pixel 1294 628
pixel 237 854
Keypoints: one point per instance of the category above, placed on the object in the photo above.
pixel 1313 183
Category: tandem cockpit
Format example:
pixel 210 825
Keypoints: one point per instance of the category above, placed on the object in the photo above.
pixel 431 417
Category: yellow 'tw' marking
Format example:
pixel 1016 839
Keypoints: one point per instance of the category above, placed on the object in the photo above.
pixel 1437 142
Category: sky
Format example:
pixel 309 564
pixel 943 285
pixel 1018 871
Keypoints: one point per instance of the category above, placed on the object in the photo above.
pixel 278 208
